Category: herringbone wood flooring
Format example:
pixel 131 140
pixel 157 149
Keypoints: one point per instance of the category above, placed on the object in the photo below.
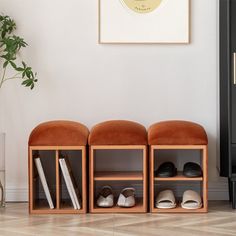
pixel 221 220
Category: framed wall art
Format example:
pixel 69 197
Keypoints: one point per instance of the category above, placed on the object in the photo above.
pixel 144 21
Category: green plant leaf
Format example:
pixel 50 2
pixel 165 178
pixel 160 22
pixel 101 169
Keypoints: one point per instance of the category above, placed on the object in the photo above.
pixel 23 63
pixel 7 25
pixel 5 64
pixel 10 45
pixel 29 83
pixel 25 82
pixel 19 69
pixel 13 64
pixel 23 74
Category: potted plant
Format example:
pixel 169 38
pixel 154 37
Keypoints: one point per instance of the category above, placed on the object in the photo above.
pixel 11 69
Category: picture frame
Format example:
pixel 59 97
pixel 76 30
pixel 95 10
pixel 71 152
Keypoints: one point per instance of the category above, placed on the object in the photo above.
pixel 120 22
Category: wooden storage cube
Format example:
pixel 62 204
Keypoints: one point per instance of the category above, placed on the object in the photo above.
pixel 59 137
pixel 179 155
pixel 118 165
pixel 47 159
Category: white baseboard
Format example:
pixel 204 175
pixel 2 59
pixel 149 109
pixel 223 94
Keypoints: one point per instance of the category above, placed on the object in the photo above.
pixel 17 195
pixel 216 190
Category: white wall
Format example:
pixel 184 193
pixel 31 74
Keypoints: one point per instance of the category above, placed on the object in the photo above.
pixel 82 80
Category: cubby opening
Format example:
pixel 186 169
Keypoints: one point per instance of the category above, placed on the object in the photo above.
pixel 178 189
pixel 119 168
pixel 117 187
pixel 74 167
pixel 47 159
pixel 179 156
pixel 74 158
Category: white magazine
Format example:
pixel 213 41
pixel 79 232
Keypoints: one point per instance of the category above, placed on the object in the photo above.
pixel 44 182
pixel 67 180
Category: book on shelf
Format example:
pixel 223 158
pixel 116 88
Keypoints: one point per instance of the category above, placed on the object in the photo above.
pixel 63 169
pixel 43 181
pixel 75 186
pixel 71 185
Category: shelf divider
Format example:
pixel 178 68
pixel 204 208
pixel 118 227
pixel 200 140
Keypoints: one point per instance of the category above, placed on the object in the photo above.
pixel 178 177
pixel 178 209
pixel 118 175
pixel 58 187
pixel 116 209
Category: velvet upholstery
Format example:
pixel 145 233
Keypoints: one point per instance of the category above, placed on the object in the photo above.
pixel 118 132
pixel 59 133
pixel 177 133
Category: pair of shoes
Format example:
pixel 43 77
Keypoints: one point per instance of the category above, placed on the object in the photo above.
pixel 106 197
pixel 168 169
pixel 166 200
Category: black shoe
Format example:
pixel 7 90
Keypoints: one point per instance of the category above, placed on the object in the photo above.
pixel 192 170
pixel 166 169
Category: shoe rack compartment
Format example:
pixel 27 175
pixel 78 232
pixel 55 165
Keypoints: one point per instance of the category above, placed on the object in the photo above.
pixel 48 165
pixel 114 166
pixel 49 157
pixel 117 187
pixel 178 189
pixel 178 183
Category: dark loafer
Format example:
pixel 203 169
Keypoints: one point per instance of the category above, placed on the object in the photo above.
pixel 166 169
pixel 192 170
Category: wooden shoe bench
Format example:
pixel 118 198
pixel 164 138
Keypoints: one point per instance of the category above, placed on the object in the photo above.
pixel 116 136
pixel 48 147
pixel 187 136
pixel 118 157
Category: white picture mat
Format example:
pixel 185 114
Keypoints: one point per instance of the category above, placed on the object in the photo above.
pixel 169 23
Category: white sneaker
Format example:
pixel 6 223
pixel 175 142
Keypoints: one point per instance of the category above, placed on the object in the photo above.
pixel 126 198
pixel 106 197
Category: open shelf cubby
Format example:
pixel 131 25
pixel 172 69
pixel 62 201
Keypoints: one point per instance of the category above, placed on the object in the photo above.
pixel 118 167
pixel 49 157
pixel 179 155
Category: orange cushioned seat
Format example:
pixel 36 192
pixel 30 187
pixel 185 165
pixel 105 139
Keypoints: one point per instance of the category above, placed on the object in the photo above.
pixel 59 133
pixel 177 133
pixel 118 132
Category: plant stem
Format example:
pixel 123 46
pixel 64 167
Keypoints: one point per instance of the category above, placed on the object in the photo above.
pixel 13 77
pixel 5 79
pixel 3 76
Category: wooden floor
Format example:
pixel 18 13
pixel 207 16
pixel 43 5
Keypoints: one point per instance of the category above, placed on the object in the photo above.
pixel 221 220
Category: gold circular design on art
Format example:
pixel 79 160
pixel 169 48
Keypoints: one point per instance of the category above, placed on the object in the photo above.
pixel 142 6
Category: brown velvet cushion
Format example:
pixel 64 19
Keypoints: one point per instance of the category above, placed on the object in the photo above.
pixel 118 132
pixel 59 133
pixel 177 133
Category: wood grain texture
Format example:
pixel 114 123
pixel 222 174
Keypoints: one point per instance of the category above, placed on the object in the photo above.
pixel 117 175
pixel 42 208
pixel 141 206
pixel 179 177
pixel 58 186
pixel 220 221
